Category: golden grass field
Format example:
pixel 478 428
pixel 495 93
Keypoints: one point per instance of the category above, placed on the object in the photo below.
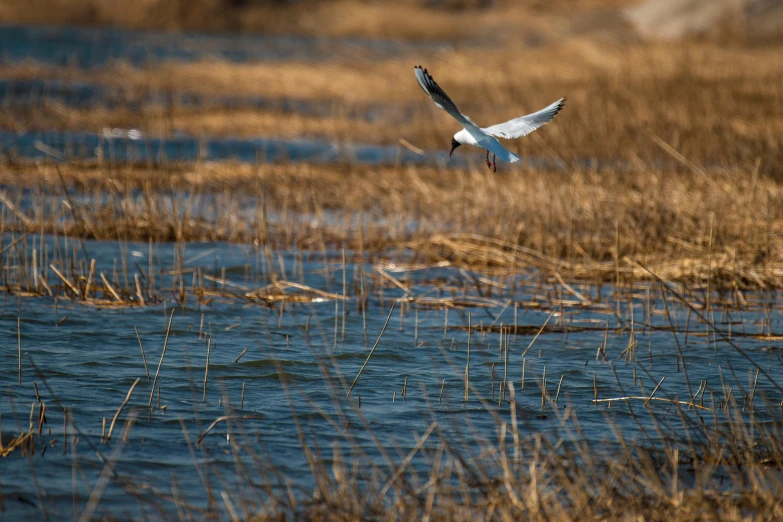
pixel 692 226
pixel 406 20
pixel 714 104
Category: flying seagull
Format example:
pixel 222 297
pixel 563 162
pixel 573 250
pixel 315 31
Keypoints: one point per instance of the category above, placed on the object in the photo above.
pixel 472 134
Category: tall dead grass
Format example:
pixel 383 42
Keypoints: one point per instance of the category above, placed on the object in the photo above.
pixel 407 19
pixel 713 104
pixel 723 225
pixel 697 460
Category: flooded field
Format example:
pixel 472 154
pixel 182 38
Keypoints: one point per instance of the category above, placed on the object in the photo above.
pixel 93 48
pixel 242 279
pixel 131 146
pixel 262 349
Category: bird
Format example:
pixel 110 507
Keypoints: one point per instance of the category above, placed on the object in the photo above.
pixel 486 138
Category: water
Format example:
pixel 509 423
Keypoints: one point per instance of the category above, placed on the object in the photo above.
pixel 31 93
pixel 130 146
pixel 93 48
pixel 89 48
pixel 120 146
pixel 298 366
pixel 85 358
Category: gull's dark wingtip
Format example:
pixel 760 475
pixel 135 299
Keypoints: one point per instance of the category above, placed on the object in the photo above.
pixel 560 104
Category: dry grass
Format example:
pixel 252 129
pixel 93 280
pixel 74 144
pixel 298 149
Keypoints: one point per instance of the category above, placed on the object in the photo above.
pixel 543 478
pixel 710 460
pixel 715 105
pixel 693 131
pixel 718 224
pixel 714 463
pixel 205 122
pixel 713 457
pixel 408 19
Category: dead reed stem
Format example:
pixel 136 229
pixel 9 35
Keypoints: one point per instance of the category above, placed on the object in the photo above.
pixel 119 410
pixel 160 363
pixel 143 357
pixel 65 280
pixel 551 314
pixel 19 348
pixel 372 350
pixel 206 369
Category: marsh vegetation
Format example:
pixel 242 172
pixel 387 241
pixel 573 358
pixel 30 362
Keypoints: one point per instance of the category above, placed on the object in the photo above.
pixel 595 334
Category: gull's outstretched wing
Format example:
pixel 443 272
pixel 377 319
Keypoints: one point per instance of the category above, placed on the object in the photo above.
pixel 524 125
pixel 441 99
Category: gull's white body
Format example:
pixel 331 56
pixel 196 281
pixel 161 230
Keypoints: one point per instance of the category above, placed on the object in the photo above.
pixel 486 138
pixel 487 142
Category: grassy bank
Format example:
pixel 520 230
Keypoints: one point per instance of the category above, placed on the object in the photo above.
pixel 692 225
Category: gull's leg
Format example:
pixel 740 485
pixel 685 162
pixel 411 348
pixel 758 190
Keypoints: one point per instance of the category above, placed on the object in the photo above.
pixel 494 166
pixel 489 165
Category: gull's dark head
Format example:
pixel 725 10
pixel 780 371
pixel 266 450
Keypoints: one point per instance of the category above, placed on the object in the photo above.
pixel 454 145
